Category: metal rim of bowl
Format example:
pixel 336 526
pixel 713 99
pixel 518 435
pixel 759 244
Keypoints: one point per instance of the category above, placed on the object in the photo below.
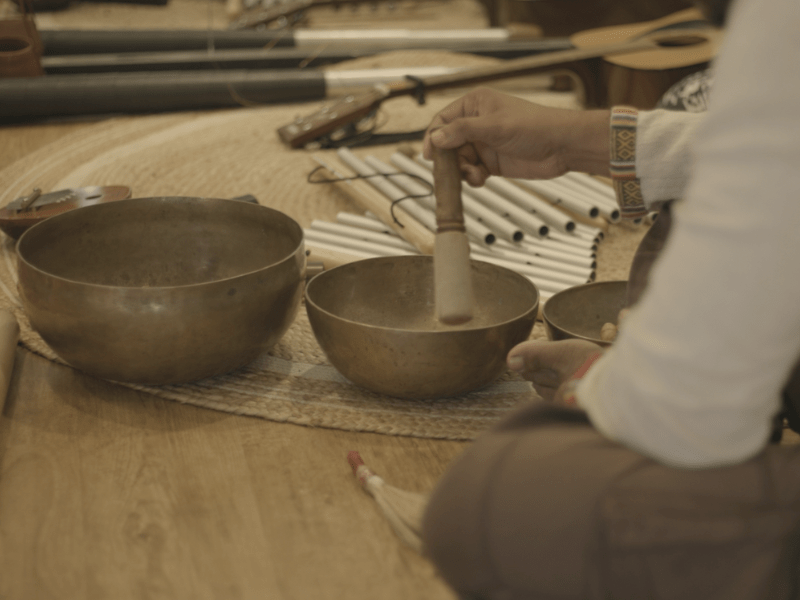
pixel 311 282
pixel 42 225
pixel 573 290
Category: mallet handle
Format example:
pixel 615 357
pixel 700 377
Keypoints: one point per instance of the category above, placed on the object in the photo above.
pixel 452 275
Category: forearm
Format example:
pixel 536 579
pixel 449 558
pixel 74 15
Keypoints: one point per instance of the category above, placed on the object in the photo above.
pixel 585 141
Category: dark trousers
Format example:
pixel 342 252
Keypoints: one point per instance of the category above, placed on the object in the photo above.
pixel 543 507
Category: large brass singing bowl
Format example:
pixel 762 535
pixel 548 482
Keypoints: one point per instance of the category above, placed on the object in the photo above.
pixel 580 312
pixel 162 290
pixel 375 321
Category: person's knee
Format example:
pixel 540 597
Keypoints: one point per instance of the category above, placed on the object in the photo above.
pixel 454 519
pixel 508 516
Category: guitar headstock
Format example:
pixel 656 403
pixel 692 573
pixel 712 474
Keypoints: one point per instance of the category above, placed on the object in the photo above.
pixel 336 120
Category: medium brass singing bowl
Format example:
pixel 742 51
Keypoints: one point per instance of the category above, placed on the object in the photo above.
pixel 376 323
pixel 162 290
pixel 580 312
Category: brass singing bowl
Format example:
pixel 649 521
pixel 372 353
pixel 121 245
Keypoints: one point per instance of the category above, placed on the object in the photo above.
pixel 375 320
pixel 162 290
pixel 580 312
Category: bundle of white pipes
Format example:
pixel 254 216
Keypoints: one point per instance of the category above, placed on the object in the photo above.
pixel 548 231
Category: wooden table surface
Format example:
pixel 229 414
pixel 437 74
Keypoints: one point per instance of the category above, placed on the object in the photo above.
pixel 106 492
pixel 109 493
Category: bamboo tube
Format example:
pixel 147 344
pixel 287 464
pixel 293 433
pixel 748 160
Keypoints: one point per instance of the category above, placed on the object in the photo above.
pixel 9 336
pixel 586 235
pixel 607 209
pixel 555 254
pixel 584 271
pixel 605 190
pixel 549 214
pixel 598 222
pixel 542 283
pixel 526 221
pixel 595 231
pixel 369 199
pixel 473 210
pixel 452 274
pixel 529 222
pixel 605 199
pixel 363 221
pixel 474 226
pixel 345 241
pixel 572 240
pixel 530 202
pixel 387 188
pixel 573 202
pixel 551 244
pixel 521 266
pixel 362 234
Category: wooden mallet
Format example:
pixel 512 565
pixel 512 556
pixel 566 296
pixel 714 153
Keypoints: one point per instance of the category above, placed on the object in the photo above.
pixel 451 265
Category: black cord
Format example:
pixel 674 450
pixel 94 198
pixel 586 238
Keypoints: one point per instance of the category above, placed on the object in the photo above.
pixel 391 207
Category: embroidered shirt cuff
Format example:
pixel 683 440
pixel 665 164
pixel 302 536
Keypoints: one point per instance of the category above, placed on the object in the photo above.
pixel 623 162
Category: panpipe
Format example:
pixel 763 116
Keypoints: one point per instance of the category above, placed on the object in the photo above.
pixel 547 231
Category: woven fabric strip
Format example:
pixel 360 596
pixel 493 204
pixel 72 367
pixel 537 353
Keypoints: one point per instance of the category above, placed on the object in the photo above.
pixel 623 162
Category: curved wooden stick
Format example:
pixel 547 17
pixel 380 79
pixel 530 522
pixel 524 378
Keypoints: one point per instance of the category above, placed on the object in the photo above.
pixel 451 266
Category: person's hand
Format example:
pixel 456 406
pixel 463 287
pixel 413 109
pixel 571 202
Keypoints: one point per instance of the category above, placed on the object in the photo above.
pixel 498 134
pixel 550 365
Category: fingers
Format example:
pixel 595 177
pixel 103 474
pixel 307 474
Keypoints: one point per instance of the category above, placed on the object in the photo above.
pixel 550 363
pixel 456 135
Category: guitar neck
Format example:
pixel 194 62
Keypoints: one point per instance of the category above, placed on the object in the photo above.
pixel 333 118
pixel 519 66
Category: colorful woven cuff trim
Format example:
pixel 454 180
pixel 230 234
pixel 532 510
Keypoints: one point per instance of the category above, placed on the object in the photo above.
pixel 623 162
pixel 569 397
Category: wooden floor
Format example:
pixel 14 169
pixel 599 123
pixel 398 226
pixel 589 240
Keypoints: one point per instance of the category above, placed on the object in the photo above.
pixel 107 493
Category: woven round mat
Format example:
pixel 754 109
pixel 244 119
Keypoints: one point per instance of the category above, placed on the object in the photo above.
pixel 235 152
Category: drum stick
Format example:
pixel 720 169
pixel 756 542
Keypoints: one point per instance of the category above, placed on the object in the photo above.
pixel 9 336
pixel 452 275
pixel 367 198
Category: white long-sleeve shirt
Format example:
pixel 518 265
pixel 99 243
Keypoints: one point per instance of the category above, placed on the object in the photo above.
pixel 695 376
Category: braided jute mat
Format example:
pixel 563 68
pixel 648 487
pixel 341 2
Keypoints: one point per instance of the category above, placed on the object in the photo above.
pixel 234 152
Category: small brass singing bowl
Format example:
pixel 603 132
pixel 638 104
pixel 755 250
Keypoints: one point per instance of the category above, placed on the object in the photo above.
pixel 580 312
pixel 375 320
pixel 162 290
